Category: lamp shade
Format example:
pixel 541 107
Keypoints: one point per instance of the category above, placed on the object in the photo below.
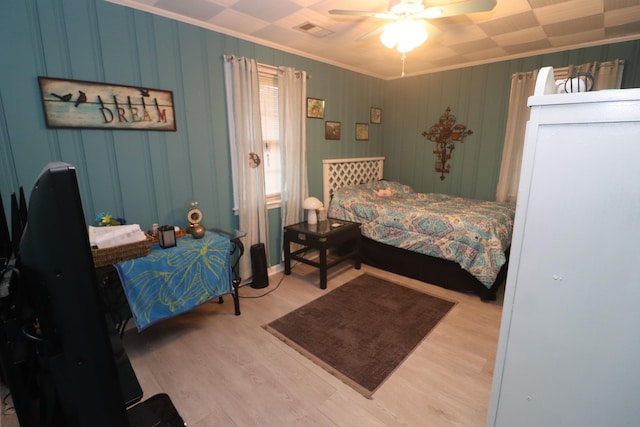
pixel 406 34
pixel 389 37
pixel 311 204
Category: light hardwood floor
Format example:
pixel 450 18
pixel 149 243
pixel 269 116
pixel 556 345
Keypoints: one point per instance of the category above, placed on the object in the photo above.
pixel 226 370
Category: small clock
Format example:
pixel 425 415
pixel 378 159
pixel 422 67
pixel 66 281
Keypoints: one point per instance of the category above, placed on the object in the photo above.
pixel 194 217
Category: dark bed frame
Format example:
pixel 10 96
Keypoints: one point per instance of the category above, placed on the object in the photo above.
pixel 447 274
pixel 440 272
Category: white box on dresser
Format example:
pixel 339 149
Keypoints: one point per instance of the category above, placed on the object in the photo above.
pixel 569 348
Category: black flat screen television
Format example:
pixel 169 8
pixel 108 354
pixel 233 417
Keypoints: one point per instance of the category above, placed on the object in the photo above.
pixel 77 381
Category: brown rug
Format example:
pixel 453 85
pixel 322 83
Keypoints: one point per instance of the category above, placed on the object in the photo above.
pixel 363 330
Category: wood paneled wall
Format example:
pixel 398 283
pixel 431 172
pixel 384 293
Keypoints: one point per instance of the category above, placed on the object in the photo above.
pixel 478 97
pixel 149 176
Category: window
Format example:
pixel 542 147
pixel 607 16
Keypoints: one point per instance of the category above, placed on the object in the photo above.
pixel 268 78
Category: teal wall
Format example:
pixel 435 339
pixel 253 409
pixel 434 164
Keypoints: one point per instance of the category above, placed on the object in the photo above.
pixel 148 176
pixel 478 97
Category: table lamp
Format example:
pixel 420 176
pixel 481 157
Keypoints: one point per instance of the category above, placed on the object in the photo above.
pixel 311 204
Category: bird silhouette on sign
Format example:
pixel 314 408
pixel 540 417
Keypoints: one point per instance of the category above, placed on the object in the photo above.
pixel 64 98
pixel 82 98
pixel 144 92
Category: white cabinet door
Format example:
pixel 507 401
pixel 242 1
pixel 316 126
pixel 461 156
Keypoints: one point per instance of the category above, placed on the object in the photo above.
pixel 569 352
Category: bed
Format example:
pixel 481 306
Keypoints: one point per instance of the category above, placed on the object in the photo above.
pixel 452 242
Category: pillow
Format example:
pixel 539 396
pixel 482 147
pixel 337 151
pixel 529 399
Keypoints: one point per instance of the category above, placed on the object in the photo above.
pixel 395 187
pixel 384 192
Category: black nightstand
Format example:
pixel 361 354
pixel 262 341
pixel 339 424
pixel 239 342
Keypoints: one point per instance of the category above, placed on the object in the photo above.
pixel 322 236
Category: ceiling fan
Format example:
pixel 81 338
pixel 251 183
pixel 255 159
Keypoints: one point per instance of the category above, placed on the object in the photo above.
pixel 410 28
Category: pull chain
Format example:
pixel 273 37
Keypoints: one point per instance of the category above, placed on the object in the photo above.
pixel 403 57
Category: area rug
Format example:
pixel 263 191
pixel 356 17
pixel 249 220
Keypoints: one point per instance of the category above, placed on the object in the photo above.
pixel 363 330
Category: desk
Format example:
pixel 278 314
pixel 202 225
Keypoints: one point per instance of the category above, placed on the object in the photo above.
pixel 171 281
pixel 322 236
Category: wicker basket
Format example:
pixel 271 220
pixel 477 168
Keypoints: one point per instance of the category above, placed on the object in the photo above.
pixel 107 256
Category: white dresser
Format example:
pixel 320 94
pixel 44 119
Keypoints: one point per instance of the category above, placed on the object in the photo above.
pixel 569 349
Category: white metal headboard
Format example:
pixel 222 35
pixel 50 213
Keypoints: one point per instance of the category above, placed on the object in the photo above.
pixel 338 173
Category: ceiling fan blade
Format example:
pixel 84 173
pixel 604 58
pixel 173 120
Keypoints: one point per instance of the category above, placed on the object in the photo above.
pixel 458 8
pixel 368 14
pixel 371 34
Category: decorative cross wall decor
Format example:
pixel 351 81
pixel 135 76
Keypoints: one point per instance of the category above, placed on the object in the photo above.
pixel 445 134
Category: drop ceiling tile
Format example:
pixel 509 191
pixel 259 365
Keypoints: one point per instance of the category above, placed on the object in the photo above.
pixel 225 3
pixel 630 29
pixel 509 24
pixel 455 34
pixel 475 46
pixel 483 55
pixel 574 26
pixel 627 15
pixel 276 34
pixel 446 63
pixel 521 37
pixel 269 11
pixel 195 9
pixel 239 22
pixel 578 38
pixel 517 24
pixel 618 4
pixel 453 21
pixel 568 11
pixel 305 15
pixel 370 5
pixel 523 48
pixel 542 3
pixel 305 3
pixel 437 52
pixel 308 43
pixel 503 8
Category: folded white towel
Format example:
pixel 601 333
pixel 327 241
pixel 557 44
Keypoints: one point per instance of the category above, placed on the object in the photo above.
pixel 107 237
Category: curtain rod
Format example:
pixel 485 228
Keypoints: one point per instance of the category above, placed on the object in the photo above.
pixel 267 66
pixel 277 69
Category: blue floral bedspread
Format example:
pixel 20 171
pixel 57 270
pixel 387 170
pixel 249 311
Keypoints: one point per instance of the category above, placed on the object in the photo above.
pixel 473 233
pixel 171 281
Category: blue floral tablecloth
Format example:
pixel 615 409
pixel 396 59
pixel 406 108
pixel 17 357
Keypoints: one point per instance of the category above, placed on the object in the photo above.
pixel 172 281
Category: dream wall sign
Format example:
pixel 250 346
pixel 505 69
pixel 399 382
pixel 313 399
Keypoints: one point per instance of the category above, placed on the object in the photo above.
pixel 81 104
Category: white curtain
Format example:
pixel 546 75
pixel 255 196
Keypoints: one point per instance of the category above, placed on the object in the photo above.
pixel 292 95
pixel 522 85
pixel 607 75
pixel 246 146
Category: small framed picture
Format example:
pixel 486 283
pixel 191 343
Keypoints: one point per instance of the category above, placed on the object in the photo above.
pixel 375 115
pixel 315 108
pixel 362 131
pixel 332 130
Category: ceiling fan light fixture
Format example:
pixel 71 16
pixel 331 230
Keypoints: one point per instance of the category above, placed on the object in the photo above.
pixel 407 35
pixel 389 36
pixel 409 29
pixel 402 7
pixel 416 33
pixel 432 13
